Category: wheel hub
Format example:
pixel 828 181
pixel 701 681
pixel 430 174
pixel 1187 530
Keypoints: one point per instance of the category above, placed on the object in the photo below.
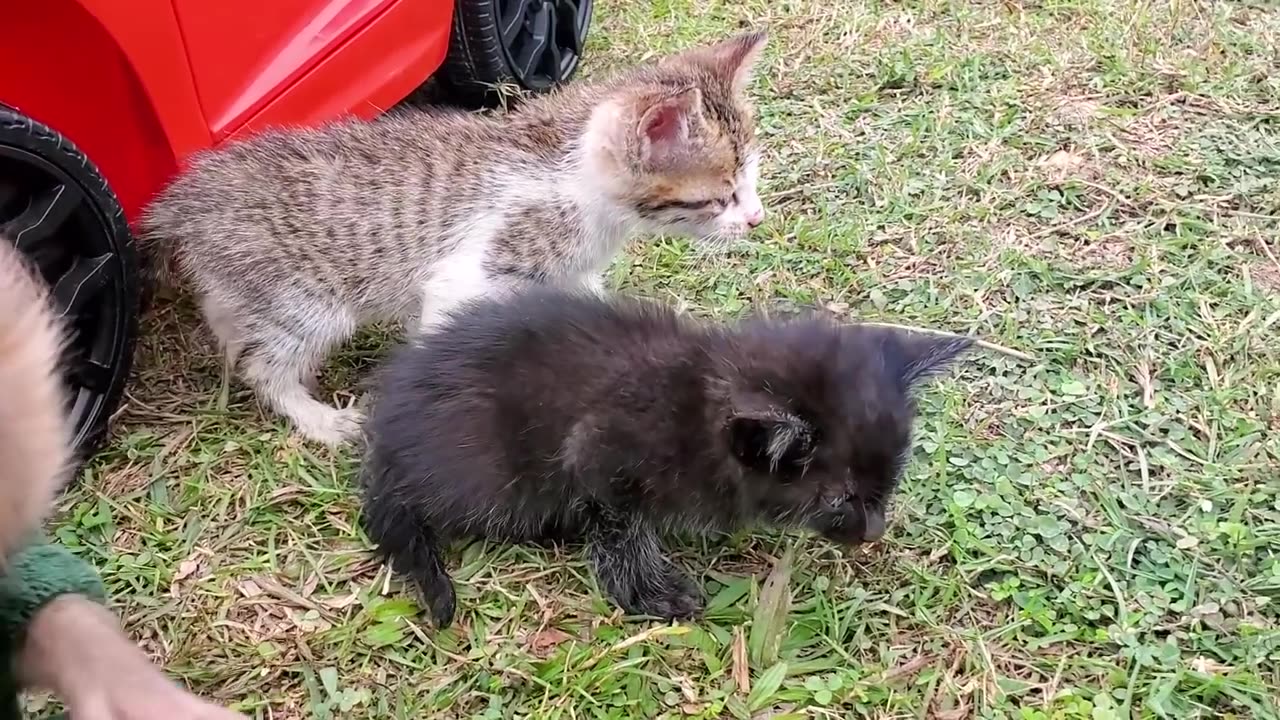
pixel 542 39
pixel 49 218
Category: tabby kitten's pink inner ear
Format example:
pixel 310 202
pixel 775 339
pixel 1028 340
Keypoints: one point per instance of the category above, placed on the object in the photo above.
pixel 665 127
pixel 736 57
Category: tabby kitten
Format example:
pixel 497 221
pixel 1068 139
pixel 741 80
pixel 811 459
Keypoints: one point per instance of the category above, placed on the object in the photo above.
pixel 293 240
pixel 556 415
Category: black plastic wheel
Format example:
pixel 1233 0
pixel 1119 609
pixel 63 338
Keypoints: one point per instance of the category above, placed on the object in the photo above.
pixel 59 211
pixel 532 44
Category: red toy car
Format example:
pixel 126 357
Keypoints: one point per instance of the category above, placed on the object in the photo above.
pixel 102 100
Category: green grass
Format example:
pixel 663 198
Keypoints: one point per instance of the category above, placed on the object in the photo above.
pixel 1094 533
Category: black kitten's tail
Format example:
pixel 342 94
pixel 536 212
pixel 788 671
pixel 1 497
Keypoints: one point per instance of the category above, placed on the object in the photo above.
pixel 406 541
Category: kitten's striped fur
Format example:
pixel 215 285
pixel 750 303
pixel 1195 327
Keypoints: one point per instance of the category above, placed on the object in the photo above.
pixel 295 239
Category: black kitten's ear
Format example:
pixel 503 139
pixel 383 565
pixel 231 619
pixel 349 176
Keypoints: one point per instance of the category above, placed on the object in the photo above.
pixel 925 356
pixel 770 442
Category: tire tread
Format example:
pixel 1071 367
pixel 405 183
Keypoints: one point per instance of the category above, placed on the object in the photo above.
pixel 37 138
pixel 475 64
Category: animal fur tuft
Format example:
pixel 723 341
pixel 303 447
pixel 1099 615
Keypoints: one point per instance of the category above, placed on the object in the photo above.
pixel 35 437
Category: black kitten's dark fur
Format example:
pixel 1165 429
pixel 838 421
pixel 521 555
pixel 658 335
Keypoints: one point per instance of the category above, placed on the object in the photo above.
pixel 558 415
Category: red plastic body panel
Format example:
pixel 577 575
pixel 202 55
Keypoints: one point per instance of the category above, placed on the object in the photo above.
pixel 285 40
pixel 142 84
pixel 96 80
pixel 376 66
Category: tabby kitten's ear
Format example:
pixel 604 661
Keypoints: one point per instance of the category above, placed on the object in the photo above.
pixel 771 442
pixel 737 57
pixel 732 59
pixel 925 356
pixel 665 127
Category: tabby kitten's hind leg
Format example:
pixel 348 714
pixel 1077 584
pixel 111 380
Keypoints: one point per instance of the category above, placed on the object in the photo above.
pixel 278 363
pixel 221 321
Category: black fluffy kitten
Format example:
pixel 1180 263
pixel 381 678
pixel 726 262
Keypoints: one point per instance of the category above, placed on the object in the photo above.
pixel 553 415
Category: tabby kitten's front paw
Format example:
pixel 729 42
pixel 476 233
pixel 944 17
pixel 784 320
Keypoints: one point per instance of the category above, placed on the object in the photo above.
pixel 672 597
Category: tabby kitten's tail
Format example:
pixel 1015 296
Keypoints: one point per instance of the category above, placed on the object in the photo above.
pixel 35 437
pixel 157 252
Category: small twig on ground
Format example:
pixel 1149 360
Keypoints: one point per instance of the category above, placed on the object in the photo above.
pixel 1262 243
pixel 910 667
pixel 280 592
pixel 1254 215
pixel 1103 188
pixel 987 344
pixel 799 189
pixel 1087 217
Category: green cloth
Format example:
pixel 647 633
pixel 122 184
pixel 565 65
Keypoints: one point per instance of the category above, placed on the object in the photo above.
pixel 31 579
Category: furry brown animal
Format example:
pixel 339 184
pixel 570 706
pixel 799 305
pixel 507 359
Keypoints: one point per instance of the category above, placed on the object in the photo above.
pixel 35 439
pixel 295 239
pixel 554 415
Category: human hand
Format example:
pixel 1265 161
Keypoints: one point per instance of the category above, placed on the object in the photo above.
pixel 160 700
pixel 75 648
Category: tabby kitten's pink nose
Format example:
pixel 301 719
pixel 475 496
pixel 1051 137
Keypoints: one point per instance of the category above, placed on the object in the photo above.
pixel 755 217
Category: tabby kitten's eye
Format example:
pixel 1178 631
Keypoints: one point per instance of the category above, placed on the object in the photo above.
pixel 693 204
pixel 717 204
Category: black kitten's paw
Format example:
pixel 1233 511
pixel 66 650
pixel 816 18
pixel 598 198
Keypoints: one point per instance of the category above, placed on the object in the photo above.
pixel 673 597
pixel 439 599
